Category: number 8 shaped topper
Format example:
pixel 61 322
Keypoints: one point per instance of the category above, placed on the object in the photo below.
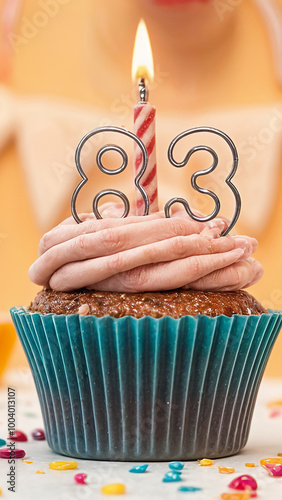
pixel 205 172
pixel 101 152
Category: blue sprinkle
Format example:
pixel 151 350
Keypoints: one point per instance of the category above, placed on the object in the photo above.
pixel 172 477
pixel 189 489
pixel 139 469
pixel 176 465
pixel 2 442
pixel 170 473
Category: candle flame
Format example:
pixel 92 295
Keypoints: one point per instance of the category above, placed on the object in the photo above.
pixel 142 61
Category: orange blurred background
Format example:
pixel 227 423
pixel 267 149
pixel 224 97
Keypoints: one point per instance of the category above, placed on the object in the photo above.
pixel 65 68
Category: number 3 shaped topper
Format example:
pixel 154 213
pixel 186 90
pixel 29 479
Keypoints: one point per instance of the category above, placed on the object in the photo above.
pixel 205 172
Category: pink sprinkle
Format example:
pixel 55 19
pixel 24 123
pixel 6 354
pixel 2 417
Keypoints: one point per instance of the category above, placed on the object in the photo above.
pixel 244 482
pixel 38 435
pixel 80 478
pixel 275 470
pixel 275 413
pixel 11 453
pixel 17 436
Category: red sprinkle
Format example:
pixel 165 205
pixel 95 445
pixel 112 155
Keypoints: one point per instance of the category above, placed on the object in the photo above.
pixel 11 453
pixel 18 436
pixel 274 470
pixel 38 434
pixel 80 478
pixel 244 482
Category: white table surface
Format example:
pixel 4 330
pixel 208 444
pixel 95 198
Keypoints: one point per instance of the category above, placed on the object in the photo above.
pixel 265 441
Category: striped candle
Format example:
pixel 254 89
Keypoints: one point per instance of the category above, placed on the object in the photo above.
pixel 144 128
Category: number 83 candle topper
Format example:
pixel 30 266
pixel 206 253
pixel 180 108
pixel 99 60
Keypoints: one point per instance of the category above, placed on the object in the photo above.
pixel 145 152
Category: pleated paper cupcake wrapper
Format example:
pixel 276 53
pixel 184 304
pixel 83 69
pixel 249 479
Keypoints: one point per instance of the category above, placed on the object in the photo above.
pixel 147 389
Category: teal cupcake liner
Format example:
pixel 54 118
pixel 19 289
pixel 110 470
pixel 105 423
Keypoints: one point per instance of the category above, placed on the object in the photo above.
pixel 147 389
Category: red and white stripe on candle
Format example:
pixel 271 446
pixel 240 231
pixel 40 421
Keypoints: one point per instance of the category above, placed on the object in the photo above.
pixel 144 128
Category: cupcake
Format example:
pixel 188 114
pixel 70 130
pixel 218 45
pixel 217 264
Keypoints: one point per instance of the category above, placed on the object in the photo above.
pixel 173 303
pixel 166 375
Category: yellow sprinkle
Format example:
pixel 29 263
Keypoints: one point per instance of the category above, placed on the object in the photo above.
pixel 40 472
pixel 0 492
pixel 57 465
pixel 113 489
pixel 235 496
pixel 226 470
pixel 274 404
pixel 206 462
pixel 26 462
pixel 271 461
pixel 250 464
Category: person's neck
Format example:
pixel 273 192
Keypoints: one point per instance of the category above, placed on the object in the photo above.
pixel 189 47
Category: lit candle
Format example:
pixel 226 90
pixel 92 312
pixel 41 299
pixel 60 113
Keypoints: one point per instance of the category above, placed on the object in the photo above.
pixel 144 119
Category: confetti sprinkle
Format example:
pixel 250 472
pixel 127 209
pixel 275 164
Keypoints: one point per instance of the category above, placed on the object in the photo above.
pixel 2 442
pixel 113 489
pixel 206 462
pixel 38 435
pixel 235 496
pixel 8 453
pixel 277 412
pixel 170 472
pixel 269 461
pixel 26 462
pixel 250 464
pixel 172 477
pixel 189 489
pixel 139 469
pixel 80 478
pixel 225 470
pixel 40 472
pixel 18 436
pixel 176 465
pixel 244 482
pixel 274 404
pixel 275 470
pixel 58 465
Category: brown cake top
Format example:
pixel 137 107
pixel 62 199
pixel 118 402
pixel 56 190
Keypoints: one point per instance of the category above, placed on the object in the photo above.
pixel 175 303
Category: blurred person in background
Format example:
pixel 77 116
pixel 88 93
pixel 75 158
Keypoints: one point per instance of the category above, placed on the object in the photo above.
pixel 65 69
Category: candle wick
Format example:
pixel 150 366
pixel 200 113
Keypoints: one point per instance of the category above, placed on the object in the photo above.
pixel 143 89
